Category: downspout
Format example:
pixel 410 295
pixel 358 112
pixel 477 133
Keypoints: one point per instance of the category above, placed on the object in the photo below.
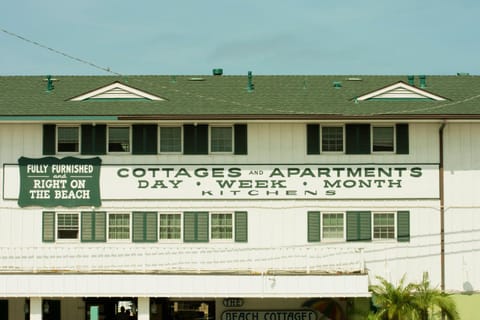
pixel 442 206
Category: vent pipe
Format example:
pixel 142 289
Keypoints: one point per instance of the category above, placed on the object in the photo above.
pixel 250 85
pixel 50 81
pixel 411 80
pixel 423 81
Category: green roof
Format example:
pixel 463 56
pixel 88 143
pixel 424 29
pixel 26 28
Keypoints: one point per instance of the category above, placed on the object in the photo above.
pixel 227 97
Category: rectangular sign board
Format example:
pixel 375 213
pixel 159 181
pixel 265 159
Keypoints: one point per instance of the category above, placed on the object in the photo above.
pixel 223 182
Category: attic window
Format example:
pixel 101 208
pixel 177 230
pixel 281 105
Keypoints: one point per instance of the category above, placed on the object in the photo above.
pixel 400 91
pixel 116 91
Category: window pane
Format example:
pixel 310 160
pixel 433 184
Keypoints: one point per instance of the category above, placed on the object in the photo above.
pixel 68 140
pixel 222 226
pixel 332 139
pixel 119 226
pixel 382 138
pixel 118 139
pixel 170 226
pixel 170 139
pixel 221 139
pixel 383 225
pixel 67 226
pixel 332 225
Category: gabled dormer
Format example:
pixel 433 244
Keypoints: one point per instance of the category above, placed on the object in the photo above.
pixel 400 91
pixel 116 91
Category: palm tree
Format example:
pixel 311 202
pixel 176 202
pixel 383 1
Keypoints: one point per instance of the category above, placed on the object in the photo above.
pixel 394 303
pixel 428 300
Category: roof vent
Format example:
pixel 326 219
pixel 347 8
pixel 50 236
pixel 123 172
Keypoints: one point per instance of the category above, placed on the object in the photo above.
pixel 217 71
pixel 337 84
pixel 50 81
pixel 423 81
pixel 411 80
pixel 250 84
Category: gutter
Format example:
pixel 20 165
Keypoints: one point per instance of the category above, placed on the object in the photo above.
pixel 442 205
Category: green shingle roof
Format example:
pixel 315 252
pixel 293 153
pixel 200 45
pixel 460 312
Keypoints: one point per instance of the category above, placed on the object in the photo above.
pixel 227 97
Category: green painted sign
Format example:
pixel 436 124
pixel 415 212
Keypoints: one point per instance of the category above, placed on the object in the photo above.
pixel 52 182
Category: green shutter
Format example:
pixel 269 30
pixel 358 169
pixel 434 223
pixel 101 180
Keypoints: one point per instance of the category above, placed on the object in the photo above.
pixel 403 226
pixel 151 229
pixel 48 226
pixel 144 226
pixel 94 139
pixel 137 226
pixel 87 226
pixel 88 139
pixel 189 223
pixel 359 226
pixel 314 226
pixel 195 139
pixel 313 139
pixel 4 309
pixel 241 139
pixel 357 138
pixel 195 227
pixel 94 225
pixel 49 140
pixel 402 145
pixel 144 139
pixel 202 227
pixel 241 226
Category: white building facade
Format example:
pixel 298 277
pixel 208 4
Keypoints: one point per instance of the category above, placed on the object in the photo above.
pixel 188 197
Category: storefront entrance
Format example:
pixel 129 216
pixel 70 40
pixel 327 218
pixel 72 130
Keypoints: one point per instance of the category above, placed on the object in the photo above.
pixel 109 308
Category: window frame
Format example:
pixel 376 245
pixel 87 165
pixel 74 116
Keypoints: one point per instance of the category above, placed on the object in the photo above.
pixel 342 126
pixel 210 138
pixel 394 138
pixel 174 240
pixel 129 139
pixel 109 213
pixel 57 139
pixel 57 225
pixel 394 226
pixel 160 139
pixel 322 226
pixel 211 226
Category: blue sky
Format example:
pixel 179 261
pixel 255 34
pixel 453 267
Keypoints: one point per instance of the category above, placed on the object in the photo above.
pixel 191 37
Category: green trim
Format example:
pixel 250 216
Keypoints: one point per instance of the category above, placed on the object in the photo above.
pixel 400 99
pixel 114 99
pixel 73 118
